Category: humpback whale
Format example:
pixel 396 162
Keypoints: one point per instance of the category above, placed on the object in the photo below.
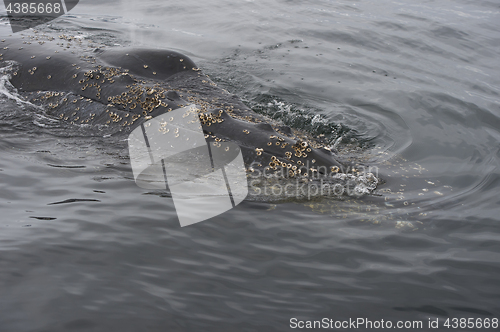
pixel 120 88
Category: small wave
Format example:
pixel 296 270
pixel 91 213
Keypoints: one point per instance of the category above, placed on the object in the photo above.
pixel 44 218
pixel 66 166
pixel 74 200
pixel 43 121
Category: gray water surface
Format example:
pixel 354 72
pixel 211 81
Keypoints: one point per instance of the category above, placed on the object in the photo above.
pixel 415 85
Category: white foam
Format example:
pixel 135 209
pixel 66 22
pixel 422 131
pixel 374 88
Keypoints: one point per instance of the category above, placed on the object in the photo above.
pixel 7 89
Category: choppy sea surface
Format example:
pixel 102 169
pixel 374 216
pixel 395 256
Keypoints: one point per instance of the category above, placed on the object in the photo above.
pixel 416 86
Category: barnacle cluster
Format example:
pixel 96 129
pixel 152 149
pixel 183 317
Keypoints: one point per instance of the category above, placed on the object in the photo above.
pixel 207 119
pixel 300 148
pixel 138 96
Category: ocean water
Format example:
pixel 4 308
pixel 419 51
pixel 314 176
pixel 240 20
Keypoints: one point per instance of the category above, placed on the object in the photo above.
pixel 411 89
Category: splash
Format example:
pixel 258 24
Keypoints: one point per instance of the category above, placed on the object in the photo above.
pixel 7 90
pixel 313 123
